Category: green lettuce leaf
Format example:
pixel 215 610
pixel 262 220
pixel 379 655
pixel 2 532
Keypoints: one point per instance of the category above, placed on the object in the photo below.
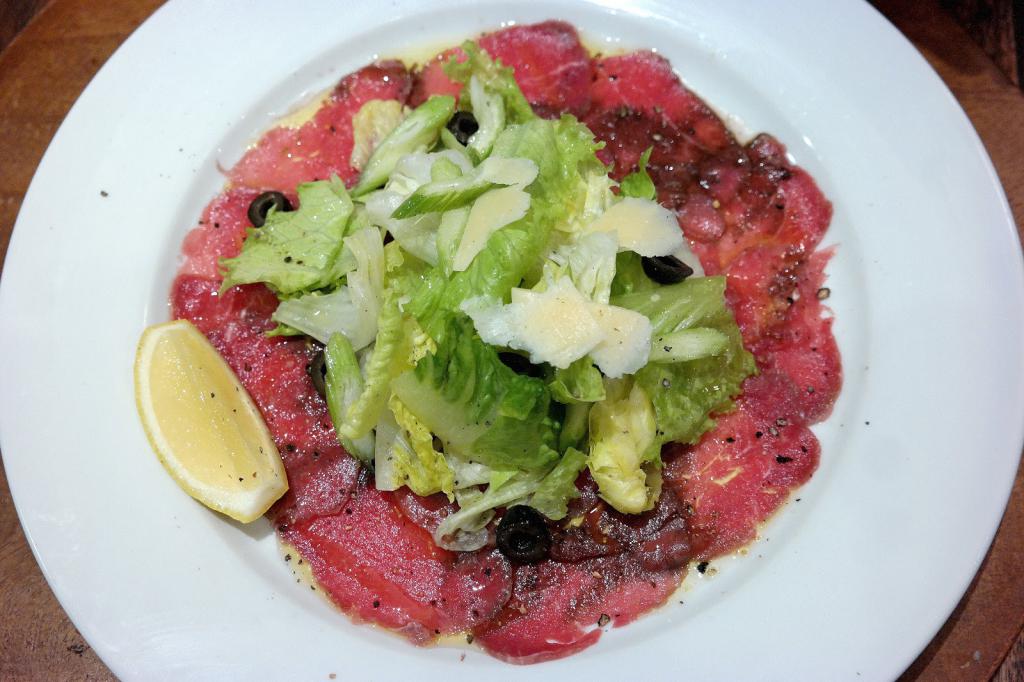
pixel 686 394
pixel 489 110
pixel 465 529
pixel 405 455
pixel 417 132
pixel 494 77
pixel 580 382
pixel 482 410
pixel 589 261
pixel 556 489
pixel 623 445
pixel 389 358
pixel 372 124
pixel 344 386
pixel 510 254
pixel 564 152
pixel 295 251
pixel 323 315
pixel 630 276
pixel 574 426
pixel 351 310
pixel 449 236
pixel 688 344
pixel 449 193
pixel 638 183
pixel 417 234
pixel 680 306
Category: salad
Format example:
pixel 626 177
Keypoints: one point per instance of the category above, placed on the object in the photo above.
pixel 514 400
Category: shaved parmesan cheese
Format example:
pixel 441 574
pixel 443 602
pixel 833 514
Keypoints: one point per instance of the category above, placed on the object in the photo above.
pixel 491 212
pixel 627 342
pixel 643 226
pixel 502 171
pixel 560 325
pixel 527 324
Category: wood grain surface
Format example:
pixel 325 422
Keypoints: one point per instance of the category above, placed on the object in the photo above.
pixel 45 68
pixel 998 26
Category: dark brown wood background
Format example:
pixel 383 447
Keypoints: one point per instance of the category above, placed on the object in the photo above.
pixel 998 26
pixel 44 68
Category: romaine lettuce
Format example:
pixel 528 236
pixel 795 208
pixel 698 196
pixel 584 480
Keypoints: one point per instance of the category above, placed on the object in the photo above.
pixel 494 77
pixel 373 123
pixel 489 111
pixel 344 385
pixel 559 485
pixel 589 261
pixel 417 132
pixel 638 183
pixel 389 358
pixel 449 193
pixel 685 394
pixel 406 456
pixel 515 240
pixel 623 445
pixel 295 251
pixel 462 530
pixel 481 409
pixel 323 315
pixel 630 276
pixel 679 306
pixel 580 382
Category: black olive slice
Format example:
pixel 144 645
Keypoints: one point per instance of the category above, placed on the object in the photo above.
pixel 520 364
pixel 665 269
pixel 462 125
pixel 523 535
pixel 317 370
pixel 261 205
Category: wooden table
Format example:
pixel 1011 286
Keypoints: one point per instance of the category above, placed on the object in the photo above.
pixel 46 67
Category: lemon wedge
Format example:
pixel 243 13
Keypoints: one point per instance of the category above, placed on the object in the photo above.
pixel 204 427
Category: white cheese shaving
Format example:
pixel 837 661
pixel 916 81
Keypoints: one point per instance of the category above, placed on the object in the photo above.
pixel 627 342
pixel 492 211
pixel 554 326
pixel 560 325
pixel 513 171
pixel 643 226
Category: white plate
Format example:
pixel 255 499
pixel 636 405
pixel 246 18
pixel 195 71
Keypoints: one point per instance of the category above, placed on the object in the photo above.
pixel 850 583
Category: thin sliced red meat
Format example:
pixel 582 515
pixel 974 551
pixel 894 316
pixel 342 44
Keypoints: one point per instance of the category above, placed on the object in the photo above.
pixel 753 216
pixel 431 79
pixel 422 588
pixel 760 283
pixel 220 233
pixel 778 206
pixel 748 211
pixel 549 64
pixel 739 474
pixel 556 608
pixel 547 59
pixel 425 512
pixel 619 565
pixel 645 82
pixel 803 350
pixel 379 567
pixel 285 157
